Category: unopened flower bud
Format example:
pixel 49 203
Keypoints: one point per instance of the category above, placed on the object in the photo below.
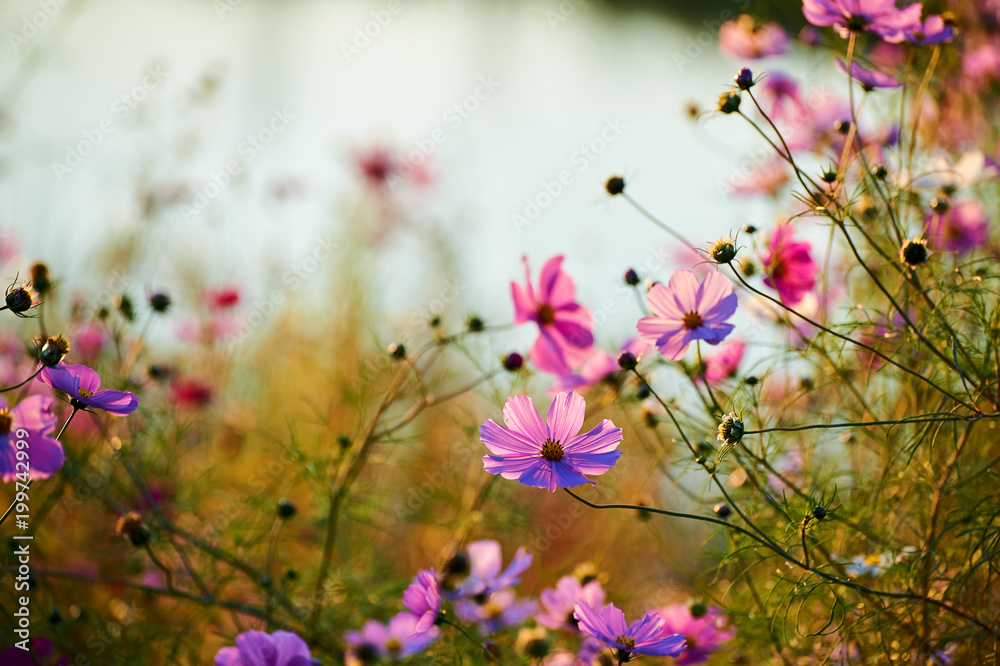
pixel 729 102
pixel 124 306
pixel 731 429
pixel 631 277
pixel 474 324
pixel 132 528
pixel 53 351
pixel 819 512
pixel 513 361
pixel 722 510
pixel 744 79
pixel 286 509
pixel 397 351
pixel 19 299
pixel 40 279
pixel 159 302
pixel 615 185
pixel 627 360
pixel 724 251
pixel 698 609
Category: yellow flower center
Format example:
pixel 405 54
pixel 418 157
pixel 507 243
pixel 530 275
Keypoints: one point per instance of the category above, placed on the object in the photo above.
pixel 629 643
pixel 6 421
pixel 84 393
pixel 393 646
pixel 552 450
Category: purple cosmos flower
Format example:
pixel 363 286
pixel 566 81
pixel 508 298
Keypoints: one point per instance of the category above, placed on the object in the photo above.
pixel 80 383
pixel 642 637
pixel 790 268
pixel 685 311
pixel 565 327
pixel 869 79
pixel 703 635
pixel 961 227
pixel 482 565
pixel 29 422
pixel 560 603
pixel 549 455
pixel 395 640
pixel 495 612
pixel 746 39
pixel 423 599
pixel 255 648
pixel 876 16
pixel 934 30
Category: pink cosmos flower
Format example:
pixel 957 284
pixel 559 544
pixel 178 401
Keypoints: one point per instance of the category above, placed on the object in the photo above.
pixel 80 383
pixel 790 268
pixel 879 17
pixel 703 635
pixel 685 311
pixel 88 341
pixel 768 178
pixel 423 599
pixel 223 297
pixel 723 364
pixel 982 63
pixel 746 39
pixel 565 327
pixel 549 455
pixel 190 393
pixel 869 79
pixel 600 365
pixel 282 648
pixel 30 422
pixel 560 603
pixel 642 637
pixel 962 227
pixel 497 611
pixel 395 640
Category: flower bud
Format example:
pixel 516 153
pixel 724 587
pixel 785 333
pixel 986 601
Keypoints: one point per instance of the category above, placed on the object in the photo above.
pixel 731 429
pixel 286 509
pixel 744 79
pixel 819 513
pixel 397 351
pixel 124 306
pixel 512 362
pixel 631 277
pixel 722 510
pixel 474 324
pixel 729 102
pixel 159 302
pixel 20 299
pixel 132 528
pixel 615 185
pixel 724 251
pixel 627 360
pixel 53 351
pixel 40 279
pixel 914 252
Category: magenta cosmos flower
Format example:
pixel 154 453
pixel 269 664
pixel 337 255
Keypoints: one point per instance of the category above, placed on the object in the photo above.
pixel 549 455
pixel 703 635
pixel 30 422
pixel 790 269
pixel 80 383
pixel 869 79
pixel 685 311
pixel 880 17
pixel 723 364
pixel 560 603
pixel 423 599
pixel 642 637
pixel 255 648
pixel 565 327
pixel 746 39
pixel 395 640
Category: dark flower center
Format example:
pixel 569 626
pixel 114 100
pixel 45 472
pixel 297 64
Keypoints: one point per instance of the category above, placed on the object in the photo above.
pixel 552 450
pixel 693 320
pixel 6 421
pixel 629 643
pixel 366 653
pixel 914 254
pixel 572 621
pixel 393 646
pixel 856 23
pixel 546 314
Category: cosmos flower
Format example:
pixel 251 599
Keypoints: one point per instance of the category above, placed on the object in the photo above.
pixel 746 39
pixel 223 297
pixel 423 599
pixel 479 570
pixel 282 648
pixel 703 635
pixel 600 365
pixel 641 637
pixel 565 327
pixel 560 603
pixel 494 612
pixel 88 341
pixel 30 422
pixel 982 63
pixel 880 17
pixel 549 455
pixel 395 640
pixel 768 178
pixel 934 30
pixel 790 269
pixel 685 311
pixel 80 383
pixel 869 79
pixel 960 227
pixel 723 364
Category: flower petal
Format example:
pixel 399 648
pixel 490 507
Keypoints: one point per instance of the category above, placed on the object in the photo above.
pixel 566 416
